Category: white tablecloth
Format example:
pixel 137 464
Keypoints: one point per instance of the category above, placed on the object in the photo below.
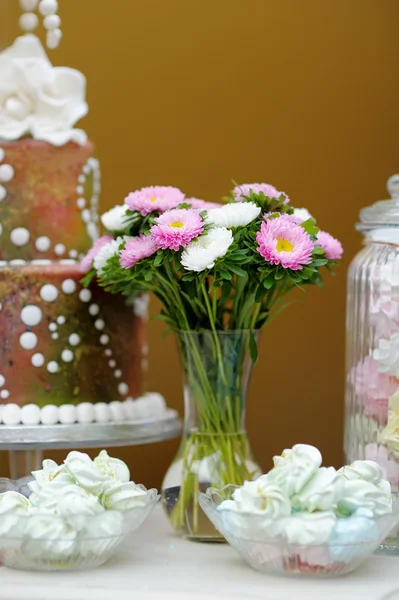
pixel 156 565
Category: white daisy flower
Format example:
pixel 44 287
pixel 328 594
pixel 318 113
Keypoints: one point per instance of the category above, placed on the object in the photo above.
pixel 202 254
pixel 237 214
pixel 107 252
pixel 114 219
pixel 303 214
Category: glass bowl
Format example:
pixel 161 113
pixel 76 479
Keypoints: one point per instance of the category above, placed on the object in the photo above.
pixel 48 542
pixel 277 555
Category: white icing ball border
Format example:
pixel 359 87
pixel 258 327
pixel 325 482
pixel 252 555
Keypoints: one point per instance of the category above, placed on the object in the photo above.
pixel 149 406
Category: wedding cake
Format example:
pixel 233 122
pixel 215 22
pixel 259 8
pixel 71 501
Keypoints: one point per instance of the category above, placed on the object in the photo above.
pixel 67 354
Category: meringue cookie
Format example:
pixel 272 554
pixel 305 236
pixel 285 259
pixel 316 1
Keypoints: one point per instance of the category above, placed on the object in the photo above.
pixel 49 472
pixel 261 497
pixel 309 528
pixel 49 537
pixel 84 471
pixel 359 493
pixel 15 502
pixel 368 470
pixel 75 500
pixel 122 496
pixel 360 528
pixel 112 468
pixel 321 492
pixel 293 469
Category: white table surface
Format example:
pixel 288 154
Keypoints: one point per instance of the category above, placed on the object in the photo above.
pixel 157 565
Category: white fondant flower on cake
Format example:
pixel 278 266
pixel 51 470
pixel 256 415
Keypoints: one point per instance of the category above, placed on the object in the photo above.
pixel 387 355
pixel 294 468
pixel 115 218
pixel 321 492
pixel 38 99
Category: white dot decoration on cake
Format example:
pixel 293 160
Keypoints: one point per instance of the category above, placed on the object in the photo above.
pixel 61 320
pixel 81 203
pixel 11 414
pixel 112 363
pixel 55 336
pixel 28 21
pixel 81 178
pixel 99 324
pixel 104 339
pixel 42 243
pixel 28 5
pixel 3 192
pixel 94 309
pixel 53 327
pixel 86 169
pixel 48 292
pixel 102 413
pixel 67 356
pixel 92 231
pixel 31 315
pixel 68 286
pixel 19 236
pixel 73 253
pixel 2 380
pixel 59 249
pixel 6 173
pixel 86 215
pixel 118 373
pixel 85 295
pixel 2 154
pixel 108 352
pixel 67 414
pixel 41 261
pixel 15 262
pixel 123 389
pixel 52 366
pixel 74 339
pixel 51 22
pixel 80 190
pixel 49 414
pixel 4 394
pixel 37 360
pixel 48 7
pixel 28 340
pixel 30 414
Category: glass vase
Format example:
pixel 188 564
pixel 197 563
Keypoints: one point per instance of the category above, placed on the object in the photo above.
pixel 214 450
pixel 372 345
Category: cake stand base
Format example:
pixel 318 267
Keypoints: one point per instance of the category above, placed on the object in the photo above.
pixel 25 443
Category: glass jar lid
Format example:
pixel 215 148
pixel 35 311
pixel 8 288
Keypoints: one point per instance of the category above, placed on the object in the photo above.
pixel 384 213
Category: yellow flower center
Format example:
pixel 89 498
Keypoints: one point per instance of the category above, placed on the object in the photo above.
pixel 153 199
pixel 284 245
pixel 176 224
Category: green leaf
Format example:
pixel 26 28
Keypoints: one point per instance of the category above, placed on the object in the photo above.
pixel 253 347
pixel 260 293
pixel 319 262
pixel 226 290
pixel 158 259
pixel 225 274
pixel 268 283
pixel 310 226
pixel 279 275
pixel 237 270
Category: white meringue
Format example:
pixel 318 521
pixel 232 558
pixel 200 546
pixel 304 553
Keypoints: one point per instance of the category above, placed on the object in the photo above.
pixel 112 468
pixel 309 528
pixel 261 497
pixel 84 471
pixel 387 355
pixel 359 493
pixel 321 492
pixel 122 496
pixel 293 469
pixel 48 537
pixel 368 470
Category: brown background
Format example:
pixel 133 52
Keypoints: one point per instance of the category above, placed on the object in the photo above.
pixel 303 94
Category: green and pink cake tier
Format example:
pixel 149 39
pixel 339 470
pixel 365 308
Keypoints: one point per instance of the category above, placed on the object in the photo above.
pixel 67 354
pixel 48 200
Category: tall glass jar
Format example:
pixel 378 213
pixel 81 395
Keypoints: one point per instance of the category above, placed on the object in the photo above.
pixel 372 350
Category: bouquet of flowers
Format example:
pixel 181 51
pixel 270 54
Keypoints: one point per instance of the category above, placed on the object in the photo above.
pixel 221 272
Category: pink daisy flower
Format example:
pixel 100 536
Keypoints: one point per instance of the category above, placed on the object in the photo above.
pixel 331 246
pixel 269 190
pixel 154 198
pixel 202 204
pixel 86 263
pixel 136 249
pixel 176 228
pixel 283 242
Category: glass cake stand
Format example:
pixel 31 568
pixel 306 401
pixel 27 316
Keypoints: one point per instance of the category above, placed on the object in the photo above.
pixel 25 443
